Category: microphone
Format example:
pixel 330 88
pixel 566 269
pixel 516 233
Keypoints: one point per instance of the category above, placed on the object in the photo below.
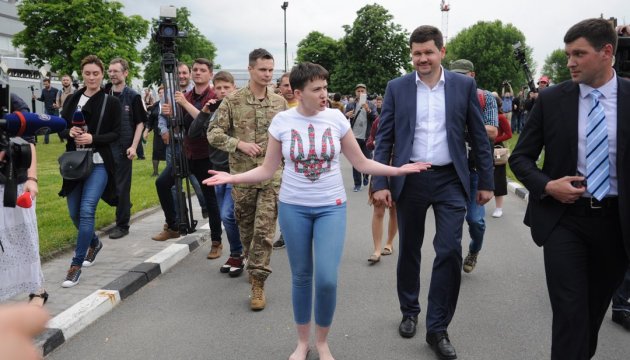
pixel 78 120
pixel 31 124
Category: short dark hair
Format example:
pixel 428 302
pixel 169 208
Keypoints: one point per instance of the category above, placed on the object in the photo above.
pixel 426 33
pixel 259 54
pixel 180 64
pixel 286 74
pixel 337 97
pixel 204 61
pixel 305 72
pixel 92 59
pixel 123 63
pixel 598 33
pixel 223 76
pixel 46 80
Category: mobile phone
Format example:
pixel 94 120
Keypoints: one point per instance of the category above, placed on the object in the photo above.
pixel 362 99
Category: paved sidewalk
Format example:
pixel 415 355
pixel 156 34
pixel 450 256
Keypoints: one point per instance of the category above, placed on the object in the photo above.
pixel 124 265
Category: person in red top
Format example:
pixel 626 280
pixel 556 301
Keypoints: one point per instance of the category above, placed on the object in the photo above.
pixel 500 181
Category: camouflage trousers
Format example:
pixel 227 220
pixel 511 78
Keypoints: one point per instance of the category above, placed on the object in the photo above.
pixel 256 212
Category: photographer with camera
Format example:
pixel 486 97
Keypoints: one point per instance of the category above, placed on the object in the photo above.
pixel 196 151
pixel 507 98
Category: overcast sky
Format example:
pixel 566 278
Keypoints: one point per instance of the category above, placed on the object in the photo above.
pixel 238 26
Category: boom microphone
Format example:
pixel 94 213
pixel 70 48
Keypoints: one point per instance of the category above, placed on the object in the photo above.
pixel 31 124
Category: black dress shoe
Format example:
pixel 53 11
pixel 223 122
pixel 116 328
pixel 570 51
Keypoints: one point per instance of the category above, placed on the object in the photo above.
pixel 441 345
pixel 118 232
pixel 407 328
pixel 622 318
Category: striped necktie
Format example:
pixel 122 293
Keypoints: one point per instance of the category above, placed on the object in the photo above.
pixel 597 167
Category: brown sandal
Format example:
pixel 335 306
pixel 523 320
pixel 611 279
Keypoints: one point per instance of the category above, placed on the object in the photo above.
pixel 43 295
pixel 387 251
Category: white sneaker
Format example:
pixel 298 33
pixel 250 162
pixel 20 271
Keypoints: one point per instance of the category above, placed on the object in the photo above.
pixel 498 212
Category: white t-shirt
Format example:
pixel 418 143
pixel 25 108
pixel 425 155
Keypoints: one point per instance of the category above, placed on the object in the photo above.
pixel 311 148
pixel 96 157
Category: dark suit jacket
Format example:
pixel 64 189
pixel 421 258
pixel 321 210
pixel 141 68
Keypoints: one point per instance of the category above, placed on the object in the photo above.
pixel 397 127
pixel 553 124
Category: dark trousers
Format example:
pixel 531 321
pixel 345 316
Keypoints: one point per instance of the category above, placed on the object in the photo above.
pixel 166 181
pixel 585 262
pixel 356 175
pixel 621 299
pixel 123 186
pixel 442 190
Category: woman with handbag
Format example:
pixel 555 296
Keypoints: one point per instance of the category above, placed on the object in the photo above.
pixel 500 180
pixel 93 124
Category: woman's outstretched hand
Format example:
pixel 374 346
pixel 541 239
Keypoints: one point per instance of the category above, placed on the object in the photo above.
pixel 414 168
pixel 218 178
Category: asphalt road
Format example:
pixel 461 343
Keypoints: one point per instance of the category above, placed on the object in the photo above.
pixel 195 312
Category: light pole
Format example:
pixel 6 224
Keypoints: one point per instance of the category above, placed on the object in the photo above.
pixel 284 7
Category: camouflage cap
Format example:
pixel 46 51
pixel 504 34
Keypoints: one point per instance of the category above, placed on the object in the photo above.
pixel 462 66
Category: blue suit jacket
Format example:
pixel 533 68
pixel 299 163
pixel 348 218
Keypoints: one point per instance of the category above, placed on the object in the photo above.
pixel 396 130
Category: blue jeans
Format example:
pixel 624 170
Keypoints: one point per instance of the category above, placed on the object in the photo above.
pixel 82 202
pixel 314 237
pixel 226 210
pixel 475 216
pixel 621 298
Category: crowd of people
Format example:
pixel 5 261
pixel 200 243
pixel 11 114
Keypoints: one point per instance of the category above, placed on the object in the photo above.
pixel 426 143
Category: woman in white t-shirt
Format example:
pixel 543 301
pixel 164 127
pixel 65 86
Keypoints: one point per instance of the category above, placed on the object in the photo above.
pixel 312 201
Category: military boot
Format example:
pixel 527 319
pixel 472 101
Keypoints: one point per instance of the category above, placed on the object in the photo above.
pixel 257 301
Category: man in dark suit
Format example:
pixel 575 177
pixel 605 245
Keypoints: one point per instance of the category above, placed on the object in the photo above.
pixel 581 221
pixel 424 118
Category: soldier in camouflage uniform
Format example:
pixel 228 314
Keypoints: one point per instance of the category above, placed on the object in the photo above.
pixel 240 129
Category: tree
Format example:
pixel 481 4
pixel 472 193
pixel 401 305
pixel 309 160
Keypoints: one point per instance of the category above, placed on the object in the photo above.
pixel 319 49
pixel 189 48
pixel 489 46
pixel 556 67
pixel 62 32
pixel 373 51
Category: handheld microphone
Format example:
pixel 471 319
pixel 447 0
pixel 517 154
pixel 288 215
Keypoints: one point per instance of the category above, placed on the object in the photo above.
pixel 31 124
pixel 78 120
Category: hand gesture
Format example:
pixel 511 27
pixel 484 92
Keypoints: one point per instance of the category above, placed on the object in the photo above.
pixel 566 189
pixel 383 197
pixel 206 107
pixel 131 153
pixel 413 168
pixel 218 178
pixel 251 149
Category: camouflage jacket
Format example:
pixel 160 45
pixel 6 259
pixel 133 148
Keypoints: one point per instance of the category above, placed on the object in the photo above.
pixel 243 117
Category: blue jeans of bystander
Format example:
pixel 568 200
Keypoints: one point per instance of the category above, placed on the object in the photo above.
pixel 82 202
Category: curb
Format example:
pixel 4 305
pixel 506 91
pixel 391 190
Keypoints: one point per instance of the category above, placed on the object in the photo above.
pixel 518 189
pixel 70 322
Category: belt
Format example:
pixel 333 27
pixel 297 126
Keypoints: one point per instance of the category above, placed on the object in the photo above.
pixel 441 167
pixel 591 207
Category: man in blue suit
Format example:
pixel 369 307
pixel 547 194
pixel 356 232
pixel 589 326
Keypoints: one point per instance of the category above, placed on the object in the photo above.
pixel 424 117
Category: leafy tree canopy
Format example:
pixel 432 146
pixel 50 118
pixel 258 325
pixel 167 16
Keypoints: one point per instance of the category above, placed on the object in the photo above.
pixel 193 46
pixel 319 49
pixel 556 67
pixel 489 46
pixel 62 32
pixel 373 51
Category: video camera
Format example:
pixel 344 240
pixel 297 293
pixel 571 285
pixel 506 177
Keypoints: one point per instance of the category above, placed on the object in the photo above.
pixel 164 34
pixel 521 57
pixel 15 153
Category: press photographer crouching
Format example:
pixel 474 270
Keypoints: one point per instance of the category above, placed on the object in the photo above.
pixel 94 124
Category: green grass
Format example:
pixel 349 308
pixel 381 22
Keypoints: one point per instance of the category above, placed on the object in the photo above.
pixel 511 144
pixel 56 231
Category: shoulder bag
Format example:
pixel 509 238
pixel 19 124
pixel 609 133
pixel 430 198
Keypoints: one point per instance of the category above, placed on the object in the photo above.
pixel 77 165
